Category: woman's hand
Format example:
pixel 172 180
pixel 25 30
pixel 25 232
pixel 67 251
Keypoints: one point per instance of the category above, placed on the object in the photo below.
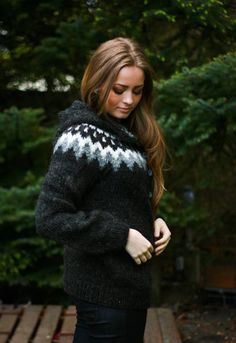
pixel 138 247
pixel 161 229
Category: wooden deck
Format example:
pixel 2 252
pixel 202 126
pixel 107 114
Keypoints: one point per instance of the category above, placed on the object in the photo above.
pixel 55 324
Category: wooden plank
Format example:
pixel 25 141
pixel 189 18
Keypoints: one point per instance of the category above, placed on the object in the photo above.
pixel 7 323
pixel 3 337
pixel 10 309
pixel 68 325
pixel 29 320
pixel 152 332
pixel 66 339
pixel 48 324
pixel 70 311
pixel 6 310
pixel 169 331
pixel 5 307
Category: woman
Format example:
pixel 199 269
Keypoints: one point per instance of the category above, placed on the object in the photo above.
pixel 100 195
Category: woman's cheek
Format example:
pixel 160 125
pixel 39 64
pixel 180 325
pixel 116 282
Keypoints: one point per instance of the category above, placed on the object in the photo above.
pixel 113 100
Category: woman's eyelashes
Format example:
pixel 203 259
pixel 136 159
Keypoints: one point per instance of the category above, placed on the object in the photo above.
pixel 117 91
pixel 120 91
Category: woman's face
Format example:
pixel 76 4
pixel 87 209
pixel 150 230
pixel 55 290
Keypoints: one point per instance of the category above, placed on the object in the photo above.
pixel 126 92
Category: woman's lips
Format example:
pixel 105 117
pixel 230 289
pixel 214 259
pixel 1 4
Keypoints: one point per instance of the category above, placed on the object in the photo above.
pixel 125 110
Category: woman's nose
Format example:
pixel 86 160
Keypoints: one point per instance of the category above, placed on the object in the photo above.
pixel 128 98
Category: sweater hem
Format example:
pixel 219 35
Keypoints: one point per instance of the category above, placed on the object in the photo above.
pixel 107 296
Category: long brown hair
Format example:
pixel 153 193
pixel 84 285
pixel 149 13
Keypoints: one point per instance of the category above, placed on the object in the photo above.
pixel 102 70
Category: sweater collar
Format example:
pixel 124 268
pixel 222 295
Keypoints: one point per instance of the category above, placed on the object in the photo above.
pixel 80 112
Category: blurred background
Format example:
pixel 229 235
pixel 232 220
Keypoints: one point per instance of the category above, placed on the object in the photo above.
pixel 44 48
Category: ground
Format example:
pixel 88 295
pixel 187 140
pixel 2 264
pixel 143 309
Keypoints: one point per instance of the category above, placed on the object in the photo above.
pixel 207 324
pixel 210 321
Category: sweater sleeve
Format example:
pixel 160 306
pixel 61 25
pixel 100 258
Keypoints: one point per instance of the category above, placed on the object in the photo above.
pixel 58 215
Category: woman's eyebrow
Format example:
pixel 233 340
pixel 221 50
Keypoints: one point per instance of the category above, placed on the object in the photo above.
pixel 122 85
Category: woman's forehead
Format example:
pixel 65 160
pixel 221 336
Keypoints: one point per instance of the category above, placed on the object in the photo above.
pixel 130 75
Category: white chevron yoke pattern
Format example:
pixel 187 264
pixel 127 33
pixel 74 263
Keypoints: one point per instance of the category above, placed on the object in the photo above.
pixel 104 147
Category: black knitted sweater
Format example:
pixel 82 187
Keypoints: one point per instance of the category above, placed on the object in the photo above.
pixel 98 185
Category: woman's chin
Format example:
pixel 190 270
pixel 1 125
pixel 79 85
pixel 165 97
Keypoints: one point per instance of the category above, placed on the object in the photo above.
pixel 120 115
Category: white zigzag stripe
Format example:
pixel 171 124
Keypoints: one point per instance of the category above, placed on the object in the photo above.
pixel 84 145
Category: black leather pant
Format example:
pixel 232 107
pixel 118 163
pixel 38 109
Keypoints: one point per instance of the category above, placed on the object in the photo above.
pixel 97 323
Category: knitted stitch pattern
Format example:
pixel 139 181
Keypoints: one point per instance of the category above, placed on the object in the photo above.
pixel 98 185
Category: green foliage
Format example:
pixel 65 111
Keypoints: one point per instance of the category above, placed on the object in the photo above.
pixel 17 206
pixel 23 251
pixel 196 109
pixel 203 101
pixel 52 40
pixel 25 147
pixel 21 139
pixel 52 55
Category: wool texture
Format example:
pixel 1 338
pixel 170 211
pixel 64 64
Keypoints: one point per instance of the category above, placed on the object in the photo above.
pixel 98 186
